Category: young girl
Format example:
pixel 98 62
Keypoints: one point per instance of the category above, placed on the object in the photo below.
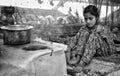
pixel 91 40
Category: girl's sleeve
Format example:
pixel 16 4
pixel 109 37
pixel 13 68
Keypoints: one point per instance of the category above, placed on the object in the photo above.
pixel 72 44
pixel 89 51
pixel 73 40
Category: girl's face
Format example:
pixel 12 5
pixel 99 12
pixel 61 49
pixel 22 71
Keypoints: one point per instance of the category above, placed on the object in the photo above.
pixel 90 19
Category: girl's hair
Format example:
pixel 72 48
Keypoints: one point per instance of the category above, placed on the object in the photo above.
pixel 92 10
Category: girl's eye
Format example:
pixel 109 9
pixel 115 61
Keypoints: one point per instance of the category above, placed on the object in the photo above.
pixel 90 18
pixel 86 18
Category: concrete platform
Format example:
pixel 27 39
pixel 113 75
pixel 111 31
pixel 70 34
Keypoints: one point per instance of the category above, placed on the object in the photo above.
pixel 15 61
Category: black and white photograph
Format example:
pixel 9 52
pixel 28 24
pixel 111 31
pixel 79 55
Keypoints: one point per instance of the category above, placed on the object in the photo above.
pixel 59 38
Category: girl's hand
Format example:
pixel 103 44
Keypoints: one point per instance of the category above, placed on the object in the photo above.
pixel 78 68
pixel 72 59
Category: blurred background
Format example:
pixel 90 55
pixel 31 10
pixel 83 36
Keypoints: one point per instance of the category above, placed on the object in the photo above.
pixel 58 19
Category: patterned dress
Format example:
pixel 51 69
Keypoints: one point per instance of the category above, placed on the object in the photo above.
pixel 89 43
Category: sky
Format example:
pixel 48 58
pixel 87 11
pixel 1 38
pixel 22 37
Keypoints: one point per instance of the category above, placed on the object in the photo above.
pixel 34 4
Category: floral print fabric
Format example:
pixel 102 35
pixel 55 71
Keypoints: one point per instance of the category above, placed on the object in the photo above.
pixel 89 43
